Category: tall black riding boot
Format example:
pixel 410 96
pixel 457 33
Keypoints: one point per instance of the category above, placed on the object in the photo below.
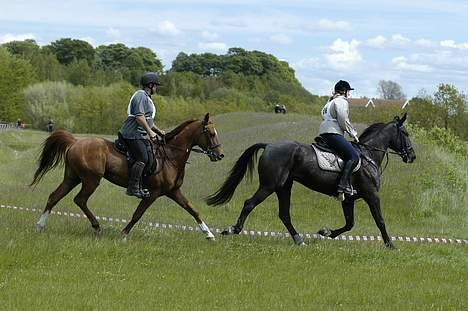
pixel 344 186
pixel 134 181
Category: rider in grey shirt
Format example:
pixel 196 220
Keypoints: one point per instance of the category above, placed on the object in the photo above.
pixel 138 128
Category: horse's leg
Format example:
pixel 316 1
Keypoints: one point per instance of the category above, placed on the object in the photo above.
pixel 374 205
pixel 260 195
pixel 89 185
pixel 62 190
pixel 178 196
pixel 348 211
pixel 284 199
pixel 142 206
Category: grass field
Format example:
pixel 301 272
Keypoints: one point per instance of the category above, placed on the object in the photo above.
pixel 66 267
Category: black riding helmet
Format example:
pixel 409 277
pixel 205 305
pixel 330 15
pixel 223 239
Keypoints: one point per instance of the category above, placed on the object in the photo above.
pixel 342 86
pixel 150 77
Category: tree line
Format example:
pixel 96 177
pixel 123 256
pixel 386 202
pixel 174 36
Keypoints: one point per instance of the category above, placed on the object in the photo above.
pixel 86 89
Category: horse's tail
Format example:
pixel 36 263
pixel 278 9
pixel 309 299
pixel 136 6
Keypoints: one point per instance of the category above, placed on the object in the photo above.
pixel 53 151
pixel 245 161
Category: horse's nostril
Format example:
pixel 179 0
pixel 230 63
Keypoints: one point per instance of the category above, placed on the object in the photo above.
pixel 221 156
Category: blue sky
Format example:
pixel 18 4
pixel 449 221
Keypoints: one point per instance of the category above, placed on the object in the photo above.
pixel 418 44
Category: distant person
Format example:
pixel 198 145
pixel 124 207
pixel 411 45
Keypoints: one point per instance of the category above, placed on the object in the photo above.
pixel 277 108
pixel 19 124
pixel 283 109
pixel 50 126
pixel 335 115
pixel 138 128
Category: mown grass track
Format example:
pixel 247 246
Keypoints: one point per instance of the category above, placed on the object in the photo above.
pixel 67 268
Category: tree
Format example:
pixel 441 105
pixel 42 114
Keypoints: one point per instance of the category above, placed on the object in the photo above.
pixel 15 74
pixel 390 90
pixel 68 50
pixel 25 49
pixel 131 63
pixel 451 101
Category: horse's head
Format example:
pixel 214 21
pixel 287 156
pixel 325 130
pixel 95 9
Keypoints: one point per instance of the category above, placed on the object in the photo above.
pixel 400 142
pixel 208 140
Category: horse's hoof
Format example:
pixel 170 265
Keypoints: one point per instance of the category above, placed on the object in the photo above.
pixel 299 240
pixel 39 228
pixel 124 237
pixel 325 232
pixel 229 231
pixel 211 238
pixel 391 246
pixel 97 232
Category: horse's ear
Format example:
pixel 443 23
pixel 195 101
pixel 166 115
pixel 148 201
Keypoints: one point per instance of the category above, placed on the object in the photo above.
pixel 207 118
pixel 403 119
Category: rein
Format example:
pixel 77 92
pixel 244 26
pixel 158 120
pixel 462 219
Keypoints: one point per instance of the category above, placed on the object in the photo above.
pixel 404 153
pixel 371 148
pixel 209 151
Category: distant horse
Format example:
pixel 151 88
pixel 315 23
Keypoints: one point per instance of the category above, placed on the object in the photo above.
pixel 285 162
pixel 88 160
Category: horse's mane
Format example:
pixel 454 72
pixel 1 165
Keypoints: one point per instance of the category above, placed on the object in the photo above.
pixel 178 129
pixel 371 130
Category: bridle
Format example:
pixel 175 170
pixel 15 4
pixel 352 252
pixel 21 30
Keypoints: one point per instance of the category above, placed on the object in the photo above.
pixel 209 151
pixel 404 152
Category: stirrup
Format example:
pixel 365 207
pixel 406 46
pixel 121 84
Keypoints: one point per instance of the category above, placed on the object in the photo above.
pixel 145 193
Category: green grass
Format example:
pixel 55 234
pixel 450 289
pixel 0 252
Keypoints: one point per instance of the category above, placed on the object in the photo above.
pixel 65 267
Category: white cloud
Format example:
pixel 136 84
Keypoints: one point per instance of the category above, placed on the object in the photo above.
pixel 210 36
pixel 453 45
pixel 213 46
pixel 377 42
pixel 424 43
pixel 281 39
pixel 167 28
pixel 327 24
pixel 402 63
pixel 448 44
pixel 399 39
pixel 20 37
pixel 344 54
pixel 113 33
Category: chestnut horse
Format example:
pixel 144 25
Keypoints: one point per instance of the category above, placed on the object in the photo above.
pixel 90 159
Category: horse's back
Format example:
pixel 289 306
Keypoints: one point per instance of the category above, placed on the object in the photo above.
pixel 93 155
pixel 286 152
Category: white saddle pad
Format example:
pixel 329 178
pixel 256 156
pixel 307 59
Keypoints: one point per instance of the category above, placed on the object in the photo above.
pixel 330 162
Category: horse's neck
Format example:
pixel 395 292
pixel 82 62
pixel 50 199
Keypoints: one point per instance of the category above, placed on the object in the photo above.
pixel 378 146
pixel 182 143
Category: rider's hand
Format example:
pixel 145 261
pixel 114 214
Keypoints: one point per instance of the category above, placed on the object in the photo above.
pixel 152 135
pixel 162 132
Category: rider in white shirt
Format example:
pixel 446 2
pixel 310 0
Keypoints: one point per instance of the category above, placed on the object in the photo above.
pixel 335 124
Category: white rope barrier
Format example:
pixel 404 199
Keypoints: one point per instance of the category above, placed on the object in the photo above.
pixel 256 233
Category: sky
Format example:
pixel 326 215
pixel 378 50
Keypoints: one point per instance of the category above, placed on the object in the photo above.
pixel 418 44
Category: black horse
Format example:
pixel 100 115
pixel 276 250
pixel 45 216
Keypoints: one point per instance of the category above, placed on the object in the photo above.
pixel 285 162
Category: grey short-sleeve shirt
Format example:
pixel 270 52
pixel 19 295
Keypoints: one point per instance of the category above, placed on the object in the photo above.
pixel 140 104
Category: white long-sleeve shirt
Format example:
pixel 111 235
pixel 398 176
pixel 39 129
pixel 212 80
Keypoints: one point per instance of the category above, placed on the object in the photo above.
pixel 335 115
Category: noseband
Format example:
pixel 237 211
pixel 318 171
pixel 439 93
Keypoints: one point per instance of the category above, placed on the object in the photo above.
pixel 210 150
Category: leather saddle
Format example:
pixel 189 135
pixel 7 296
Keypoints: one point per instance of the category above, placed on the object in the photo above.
pixel 327 159
pixel 152 168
